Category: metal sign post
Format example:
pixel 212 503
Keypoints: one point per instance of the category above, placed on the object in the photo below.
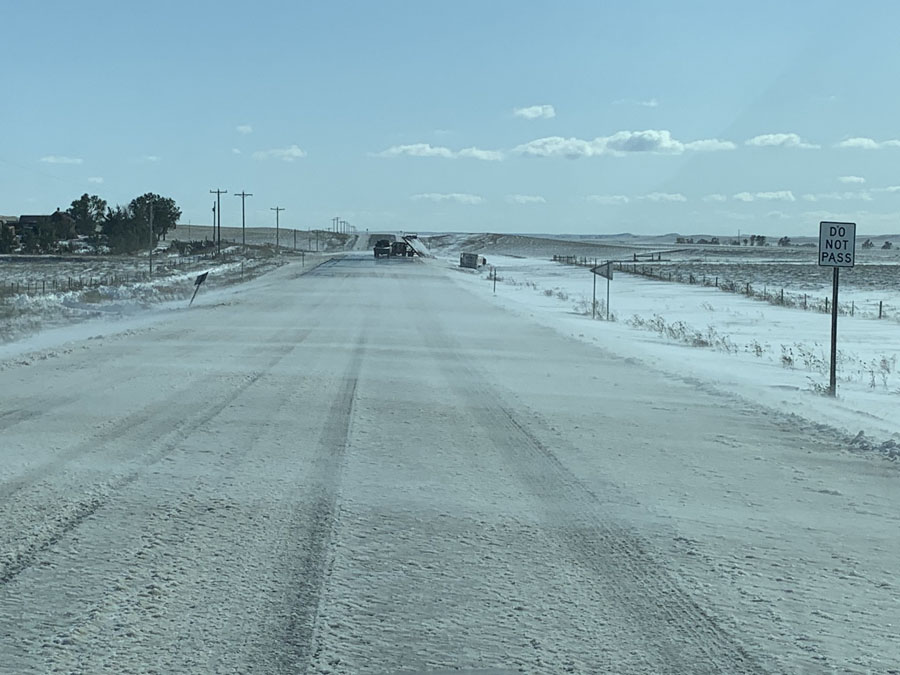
pixel 605 270
pixel 837 249
pixel 198 282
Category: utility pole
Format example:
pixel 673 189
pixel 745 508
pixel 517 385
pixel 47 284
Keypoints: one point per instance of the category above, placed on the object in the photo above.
pixel 151 240
pixel 277 210
pixel 242 195
pixel 218 235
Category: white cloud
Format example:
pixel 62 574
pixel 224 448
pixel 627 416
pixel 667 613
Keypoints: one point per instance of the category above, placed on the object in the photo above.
pixel 60 159
pixel 235 151
pixel 837 196
pixel 95 179
pixel 417 150
pixel 288 154
pixel 650 140
pixel 556 146
pixel 780 141
pixel 777 215
pixel 478 153
pixel 150 158
pixel 535 112
pixel 664 197
pixel 709 145
pixel 889 188
pixel 715 198
pixel 428 150
pixel 863 143
pixel 852 179
pixel 649 103
pixel 618 144
pixel 458 197
pixel 608 200
pixel 244 129
pixel 525 199
pixel 780 196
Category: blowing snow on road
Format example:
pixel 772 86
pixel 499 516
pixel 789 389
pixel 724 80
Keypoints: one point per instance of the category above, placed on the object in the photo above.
pixel 372 468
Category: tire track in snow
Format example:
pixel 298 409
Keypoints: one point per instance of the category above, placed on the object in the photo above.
pixel 28 408
pixel 202 523
pixel 159 420
pixel 663 629
pixel 324 268
pixel 165 413
pixel 164 417
pixel 306 556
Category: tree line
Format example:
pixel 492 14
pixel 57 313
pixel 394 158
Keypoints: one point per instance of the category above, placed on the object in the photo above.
pixel 122 229
pixel 754 240
pixel 868 243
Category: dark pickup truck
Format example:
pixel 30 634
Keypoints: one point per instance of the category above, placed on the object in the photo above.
pixel 383 248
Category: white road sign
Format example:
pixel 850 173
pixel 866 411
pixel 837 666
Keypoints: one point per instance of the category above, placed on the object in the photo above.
pixel 837 244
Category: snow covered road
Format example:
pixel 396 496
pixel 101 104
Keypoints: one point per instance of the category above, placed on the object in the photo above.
pixel 371 469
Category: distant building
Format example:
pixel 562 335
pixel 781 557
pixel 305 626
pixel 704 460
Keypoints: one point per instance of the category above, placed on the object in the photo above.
pixel 32 222
pixel 60 220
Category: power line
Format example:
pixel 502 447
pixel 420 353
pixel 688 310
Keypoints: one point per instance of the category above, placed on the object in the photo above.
pixel 242 195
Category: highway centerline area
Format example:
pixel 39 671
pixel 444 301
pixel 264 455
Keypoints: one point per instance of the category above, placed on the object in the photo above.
pixel 370 468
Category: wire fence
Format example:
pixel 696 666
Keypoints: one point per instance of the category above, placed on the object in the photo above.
pixel 127 272
pixel 875 309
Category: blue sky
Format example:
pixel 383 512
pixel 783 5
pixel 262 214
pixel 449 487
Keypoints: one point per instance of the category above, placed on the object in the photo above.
pixel 591 117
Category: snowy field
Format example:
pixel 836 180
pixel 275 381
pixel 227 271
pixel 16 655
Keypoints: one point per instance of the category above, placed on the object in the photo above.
pixel 875 278
pixel 528 246
pixel 385 467
pixel 306 239
pixel 37 294
pixel 775 355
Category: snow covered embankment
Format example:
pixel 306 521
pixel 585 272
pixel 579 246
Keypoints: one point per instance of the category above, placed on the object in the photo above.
pixel 777 356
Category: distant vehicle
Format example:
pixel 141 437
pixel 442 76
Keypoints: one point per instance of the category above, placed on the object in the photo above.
pixel 383 248
pixel 402 249
pixel 471 260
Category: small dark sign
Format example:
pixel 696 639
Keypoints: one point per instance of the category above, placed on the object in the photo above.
pixel 197 282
